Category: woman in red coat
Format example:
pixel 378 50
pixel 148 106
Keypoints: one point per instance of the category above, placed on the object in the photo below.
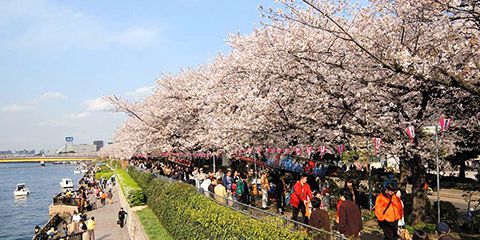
pixel 298 199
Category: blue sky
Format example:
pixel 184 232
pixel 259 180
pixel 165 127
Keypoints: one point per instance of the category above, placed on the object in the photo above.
pixel 58 58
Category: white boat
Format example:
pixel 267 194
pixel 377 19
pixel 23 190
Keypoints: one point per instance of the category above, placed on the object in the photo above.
pixel 21 190
pixel 77 170
pixel 66 184
pixel 84 170
pixel 42 163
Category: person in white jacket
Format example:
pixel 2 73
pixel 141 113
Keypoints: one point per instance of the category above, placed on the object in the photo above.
pixel 401 221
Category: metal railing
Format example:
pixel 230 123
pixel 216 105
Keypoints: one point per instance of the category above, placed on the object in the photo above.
pixel 260 214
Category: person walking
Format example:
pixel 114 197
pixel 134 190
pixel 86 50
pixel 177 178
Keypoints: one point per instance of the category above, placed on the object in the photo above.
pixel 122 215
pixel 280 189
pixel 91 228
pixel 388 209
pixel 220 192
pixel 350 219
pixel 298 199
pixel 265 186
pixel 110 196
pixel 242 190
pixel 103 197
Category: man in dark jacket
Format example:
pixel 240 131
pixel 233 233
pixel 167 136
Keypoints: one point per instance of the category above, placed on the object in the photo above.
pixel 319 217
pixel 350 219
pixel 122 215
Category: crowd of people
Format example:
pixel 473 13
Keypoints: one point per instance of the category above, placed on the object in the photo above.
pixel 86 198
pixel 305 195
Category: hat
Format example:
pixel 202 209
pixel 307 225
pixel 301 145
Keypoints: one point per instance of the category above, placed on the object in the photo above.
pixel 442 227
pixel 391 187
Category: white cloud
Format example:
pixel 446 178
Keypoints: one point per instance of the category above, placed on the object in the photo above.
pixel 77 115
pixel 98 104
pixel 138 37
pixel 31 104
pixel 47 96
pixel 140 92
pixel 16 108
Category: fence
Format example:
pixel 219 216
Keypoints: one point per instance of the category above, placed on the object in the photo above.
pixel 264 215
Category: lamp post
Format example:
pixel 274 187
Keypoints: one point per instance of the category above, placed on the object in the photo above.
pixel 438 173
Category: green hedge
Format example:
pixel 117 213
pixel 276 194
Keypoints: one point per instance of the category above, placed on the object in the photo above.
pixel 104 172
pixel 187 214
pixel 131 189
pixel 153 227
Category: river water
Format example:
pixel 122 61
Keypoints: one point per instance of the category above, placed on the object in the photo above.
pixel 19 215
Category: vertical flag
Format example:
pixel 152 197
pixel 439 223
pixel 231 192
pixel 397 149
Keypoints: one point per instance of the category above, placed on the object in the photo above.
pixel 376 144
pixel 411 132
pixel 340 149
pixel 444 124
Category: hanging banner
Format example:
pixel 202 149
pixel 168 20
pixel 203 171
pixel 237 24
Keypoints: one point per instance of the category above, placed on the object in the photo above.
pixel 340 149
pixel 309 150
pixel 322 150
pixel 411 133
pixel 298 151
pixel 444 124
pixel 376 144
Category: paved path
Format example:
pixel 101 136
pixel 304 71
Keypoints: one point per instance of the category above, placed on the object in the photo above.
pixel 106 227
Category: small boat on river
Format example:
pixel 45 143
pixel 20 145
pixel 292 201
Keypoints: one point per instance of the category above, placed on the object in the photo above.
pixel 66 184
pixel 21 190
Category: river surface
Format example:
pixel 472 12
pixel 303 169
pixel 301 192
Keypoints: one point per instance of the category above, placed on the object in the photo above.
pixel 19 215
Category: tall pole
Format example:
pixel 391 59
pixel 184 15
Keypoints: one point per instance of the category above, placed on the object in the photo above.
pixel 214 171
pixel 255 167
pixel 438 172
pixel 370 202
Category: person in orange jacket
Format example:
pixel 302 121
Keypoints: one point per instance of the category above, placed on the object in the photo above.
pixel 298 199
pixel 389 209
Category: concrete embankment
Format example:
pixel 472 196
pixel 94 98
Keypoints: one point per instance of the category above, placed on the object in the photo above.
pixel 134 226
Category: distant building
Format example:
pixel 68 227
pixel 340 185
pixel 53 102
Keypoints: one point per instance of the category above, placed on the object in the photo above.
pixel 25 152
pixel 77 148
pixel 8 152
pixel 99 144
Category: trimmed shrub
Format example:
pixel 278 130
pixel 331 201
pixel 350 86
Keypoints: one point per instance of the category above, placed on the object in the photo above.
pixel 189 215
pixel 448 214
pixel 132 190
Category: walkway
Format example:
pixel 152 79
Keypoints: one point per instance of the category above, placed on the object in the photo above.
pixel 106 227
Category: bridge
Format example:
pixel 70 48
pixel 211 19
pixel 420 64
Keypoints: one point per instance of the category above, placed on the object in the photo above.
pixel 56 158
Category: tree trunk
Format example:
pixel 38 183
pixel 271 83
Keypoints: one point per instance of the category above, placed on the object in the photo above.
pixel 420 199
pixel 404 171
pixel 463 167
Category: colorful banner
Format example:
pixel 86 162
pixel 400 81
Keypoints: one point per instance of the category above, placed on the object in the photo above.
pixel 411 133
pixel 444 124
